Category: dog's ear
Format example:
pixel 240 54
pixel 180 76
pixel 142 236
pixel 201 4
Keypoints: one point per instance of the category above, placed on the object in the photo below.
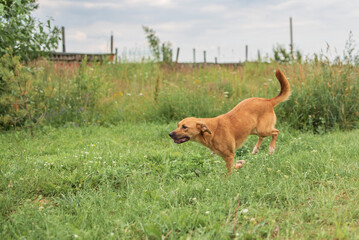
pixel 203 127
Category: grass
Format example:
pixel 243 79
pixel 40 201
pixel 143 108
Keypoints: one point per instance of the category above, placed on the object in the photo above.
pixel 324 94
pixel 132 182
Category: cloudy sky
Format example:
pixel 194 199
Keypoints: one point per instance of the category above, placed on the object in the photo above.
pixel 221 27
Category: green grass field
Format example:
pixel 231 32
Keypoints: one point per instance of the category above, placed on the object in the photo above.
pixel 101 165
pixel 132 182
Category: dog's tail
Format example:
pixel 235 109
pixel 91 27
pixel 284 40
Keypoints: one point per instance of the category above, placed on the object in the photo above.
pixel 284 89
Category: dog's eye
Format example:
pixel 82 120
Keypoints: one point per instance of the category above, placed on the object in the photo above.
pixel 184 127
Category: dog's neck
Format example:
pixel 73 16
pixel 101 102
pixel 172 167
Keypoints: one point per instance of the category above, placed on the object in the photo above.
pixel 205 138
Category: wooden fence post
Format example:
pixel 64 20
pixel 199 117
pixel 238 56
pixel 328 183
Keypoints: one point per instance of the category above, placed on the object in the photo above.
pixel 291 37
pixel 204 56
pixel 259 56
pixel 63 39
pixel 246 53
pixel 177 54
pixel 111 43
pixel 194 55
pixel 116 53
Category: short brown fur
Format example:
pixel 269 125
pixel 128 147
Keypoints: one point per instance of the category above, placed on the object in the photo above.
pixel 227 132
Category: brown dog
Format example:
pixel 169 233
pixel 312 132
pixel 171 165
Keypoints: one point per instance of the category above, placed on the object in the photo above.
pixel 227 132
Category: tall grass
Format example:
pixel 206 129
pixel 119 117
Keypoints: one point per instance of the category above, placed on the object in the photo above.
pixel 324 95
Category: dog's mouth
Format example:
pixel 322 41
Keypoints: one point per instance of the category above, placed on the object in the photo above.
pixel 181 140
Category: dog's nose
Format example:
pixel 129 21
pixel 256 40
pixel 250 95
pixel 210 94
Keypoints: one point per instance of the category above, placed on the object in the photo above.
pixel 170 134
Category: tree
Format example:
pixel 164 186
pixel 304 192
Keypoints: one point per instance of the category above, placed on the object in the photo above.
pixel 281 55
pixel 163 52
pixel 26 36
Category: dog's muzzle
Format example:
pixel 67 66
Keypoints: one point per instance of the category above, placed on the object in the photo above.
pixel 177 139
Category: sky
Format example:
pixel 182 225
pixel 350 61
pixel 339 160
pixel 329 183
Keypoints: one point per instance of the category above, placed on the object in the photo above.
pixel 222 28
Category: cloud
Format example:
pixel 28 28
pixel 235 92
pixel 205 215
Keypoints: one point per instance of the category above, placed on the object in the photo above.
pixel 77 36
pixel 160 3
pixel 220 27
pixel 56 4
pixel 214 9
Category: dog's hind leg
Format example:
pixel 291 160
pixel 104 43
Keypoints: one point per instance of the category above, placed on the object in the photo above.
pixel 257 146
pixel 275 133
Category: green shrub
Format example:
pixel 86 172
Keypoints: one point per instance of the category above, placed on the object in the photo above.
pixel 21 100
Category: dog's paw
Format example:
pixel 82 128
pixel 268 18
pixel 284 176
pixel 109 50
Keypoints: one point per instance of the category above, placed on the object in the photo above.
pixel 271 150
pixel 239 164
pixel 255 150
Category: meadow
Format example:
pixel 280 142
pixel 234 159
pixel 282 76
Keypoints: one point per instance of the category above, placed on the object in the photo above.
pixel 132 182
pixel 100 164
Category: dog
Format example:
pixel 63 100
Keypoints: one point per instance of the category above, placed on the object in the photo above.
pixel 225 133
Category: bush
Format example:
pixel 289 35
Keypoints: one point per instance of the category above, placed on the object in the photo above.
pixel 20 99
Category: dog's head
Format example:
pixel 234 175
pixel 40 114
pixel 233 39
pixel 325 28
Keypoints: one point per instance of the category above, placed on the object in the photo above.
pixel 189 129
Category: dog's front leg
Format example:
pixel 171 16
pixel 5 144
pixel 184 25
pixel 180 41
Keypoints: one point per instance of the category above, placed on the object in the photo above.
pixel 229 163
pixel 239 164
